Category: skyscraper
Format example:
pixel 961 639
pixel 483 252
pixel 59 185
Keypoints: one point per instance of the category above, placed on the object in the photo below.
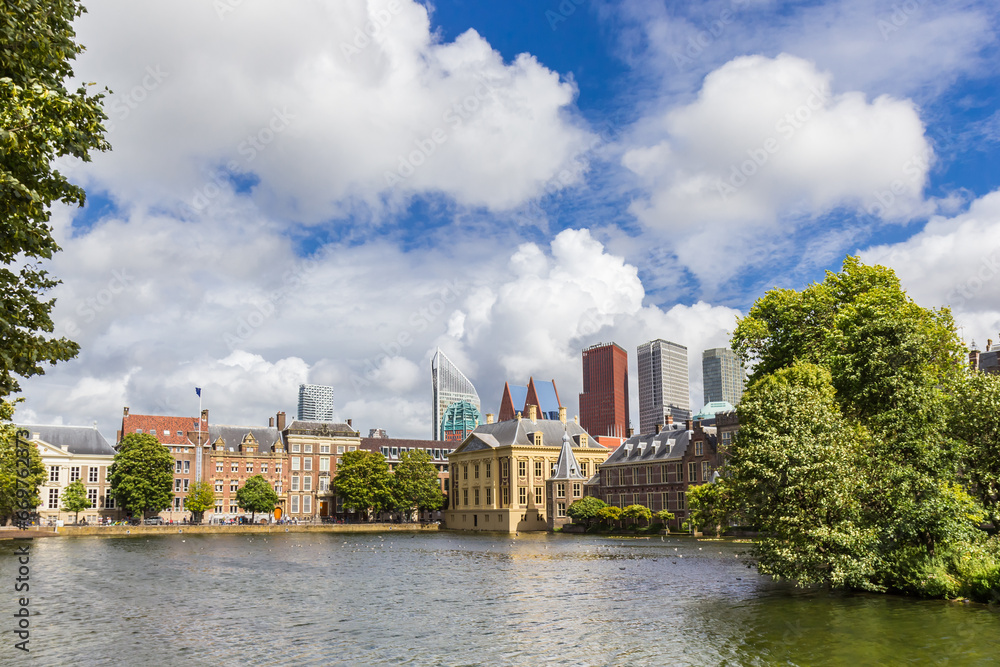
pixel 315 403
pixel 723 375
pixel 449 386
pixel 663 384
pixel 604 401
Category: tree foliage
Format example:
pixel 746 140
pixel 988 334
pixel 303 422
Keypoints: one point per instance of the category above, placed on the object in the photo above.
pixel 636 513
pixel 40 120
pixel 609 515
pixel 710 505
pixel 975 420
pixel 142 474
pixel 200 499
pixel 415 484
pixel 17 495
pixel 75 499
pixel 844 457
pixel 363 482
pixel 585 509
pixel 256 495
pixel 664 516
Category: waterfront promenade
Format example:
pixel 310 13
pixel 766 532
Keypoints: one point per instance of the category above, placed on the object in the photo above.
pixel 208 529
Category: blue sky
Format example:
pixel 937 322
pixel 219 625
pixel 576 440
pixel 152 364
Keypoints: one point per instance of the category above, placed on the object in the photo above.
pixel 328 192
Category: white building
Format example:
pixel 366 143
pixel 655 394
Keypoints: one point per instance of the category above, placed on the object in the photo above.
pixel 664 384
pixel 315 403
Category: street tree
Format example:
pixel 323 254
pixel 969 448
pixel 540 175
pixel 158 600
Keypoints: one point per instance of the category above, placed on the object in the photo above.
pixel 363 482
pixel 710 505
pixel 142 474
pixel 200 499
pixel 635 513
pixel 20 476
pixel 40 121
pixel 415 484
pixel 664 516
pixel 75 499
pixel 256 495
pixel 609 515
pixel 585 509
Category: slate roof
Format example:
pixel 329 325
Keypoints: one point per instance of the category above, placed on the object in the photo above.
pixel 566 465
pixel 233 436
pixel 84 440
pixel 520 432
pixel 670 444
pixel 320 428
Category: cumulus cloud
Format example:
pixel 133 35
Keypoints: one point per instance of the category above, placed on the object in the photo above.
pixel 316 109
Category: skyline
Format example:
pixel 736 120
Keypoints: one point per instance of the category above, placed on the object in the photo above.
pixel 511 186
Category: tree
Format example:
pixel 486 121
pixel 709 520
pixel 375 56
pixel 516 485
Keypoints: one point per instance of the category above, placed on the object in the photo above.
pixel 142 474
pixel 664 516
pixel 18 482
pixel 710 505
pixel 75 499
pixel 634 513
pixel 975 420
pixel 585 509
pixel 609 515
pixel 40 120
pixel 256 495
pixel 200 499
pixel 363 482
pixel 415 484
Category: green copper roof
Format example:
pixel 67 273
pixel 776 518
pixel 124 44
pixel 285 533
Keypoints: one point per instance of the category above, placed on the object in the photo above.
pixel 710 409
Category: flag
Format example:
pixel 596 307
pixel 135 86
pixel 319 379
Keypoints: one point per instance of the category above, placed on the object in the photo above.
pixel 197 390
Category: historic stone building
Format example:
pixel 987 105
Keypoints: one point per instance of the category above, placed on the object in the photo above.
pixel 499 472
pixel 71 453
pixel 314 450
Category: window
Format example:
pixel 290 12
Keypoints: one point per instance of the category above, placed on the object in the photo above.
pixel 706 470
pixel 475 470
pixel 394 452
pixel 277 468
pixel 504 469
pixel 74 473
pixel 489 496
pixel 109 501
pixel 53 499
pixel 561 510
pixel 324 449
pixel 437 453
pixel 277 487
pixel 324 464
pixel 218 509
pixel 138 430
pixel 505 496
pixel 307 504
pixel 295 482
pixel 177 485
pixel 179 434
pixel 296 463
pixel 692 471
pixel 165 432
pixel 53 473
pixel 307 483
pixel 249 466
pixel 307 449
pixel 234 467
pixel 234 487
pixel 177 503
pixel 187 467
pixel 233 508
pixel 538 438
pixel 538 495
pixel 560 490
pixel 465 496
pixel 218 488
pixel 218 466
pixel 92 476
pixel 324 484
pixel 538 469
pixel 681 500
pixel 307 463
pixel 465 471
pixel 295 448
pixel 576 489
pixel 92 497
pixel 476 495
pixel 187 483
pixel 488 470
pixel 340 450
pixel 263 468
pixel 583 468
pixel 522 495
pixel 295 504
pixel 177 467
pixel 699 447
pixel 522 468
pixel 351 448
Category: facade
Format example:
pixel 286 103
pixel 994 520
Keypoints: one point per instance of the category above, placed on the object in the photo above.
pixel 238 453
pixel 499 473
pixel 71 453
pixel 988 361
pixel 315 403
pixel 516 399
pixel 657 469
pixel 604 407
pixel 723 376
pixel 187 439
pixel 448 387
pixel 394 448
pixel 314 450
pixel 663 384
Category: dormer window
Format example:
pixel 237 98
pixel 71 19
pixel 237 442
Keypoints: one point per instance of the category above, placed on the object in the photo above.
pixel 538 438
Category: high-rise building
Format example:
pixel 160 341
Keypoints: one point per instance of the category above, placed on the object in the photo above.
pixel 604 401
pixel 315 403
pixel 723 375
pixel 663 384
pixel 450 386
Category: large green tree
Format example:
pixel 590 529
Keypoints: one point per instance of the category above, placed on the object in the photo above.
pixel 635 513
pixel 585 509
pixel 710 505
pixel 415 484
pixel 19 483
pixel 75 499
pixel 200 499
pixel 975 420
pixel 363 482
pixel 256 495
pixel 40 120
pixel 142 474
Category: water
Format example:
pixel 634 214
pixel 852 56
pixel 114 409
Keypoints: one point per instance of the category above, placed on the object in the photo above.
pixel 455 599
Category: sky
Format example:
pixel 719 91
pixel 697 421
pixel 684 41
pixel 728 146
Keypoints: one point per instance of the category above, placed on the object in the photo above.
pixel 326 192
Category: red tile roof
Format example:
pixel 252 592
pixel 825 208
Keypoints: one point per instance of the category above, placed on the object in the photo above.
pixel 164 428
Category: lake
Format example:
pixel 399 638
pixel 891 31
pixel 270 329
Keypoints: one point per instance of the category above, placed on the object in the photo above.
pixel 456 599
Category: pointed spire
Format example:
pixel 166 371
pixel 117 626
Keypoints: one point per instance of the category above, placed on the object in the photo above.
pixel 566 465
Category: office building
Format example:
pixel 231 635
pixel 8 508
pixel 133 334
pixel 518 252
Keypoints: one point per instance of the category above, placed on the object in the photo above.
pixel 604 401
pixel 723 376
pixel 315 403
pixel 663 384
pixel 448 387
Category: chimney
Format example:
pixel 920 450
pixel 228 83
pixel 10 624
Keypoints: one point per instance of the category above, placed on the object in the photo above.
pixel 631 432
pixel 270 422
pixel 126 412
pixel 659 428
pixel 670 419
pixel 689 424
pixel 204 415
pixel 279 421
pixel 974 360
pixel 532 413
pixel 989 344
pixel 349 423
pixel 562 414
pixel 489 417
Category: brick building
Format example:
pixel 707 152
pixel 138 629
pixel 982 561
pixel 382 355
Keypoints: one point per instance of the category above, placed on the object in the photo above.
pixel 238 453
pixel 394 448
pixel 604 407
pixel 314 449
